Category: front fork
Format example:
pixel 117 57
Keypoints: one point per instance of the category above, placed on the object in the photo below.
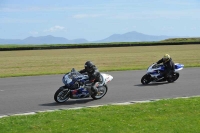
pixel 149 77
pixel 88 88
pixel 64 90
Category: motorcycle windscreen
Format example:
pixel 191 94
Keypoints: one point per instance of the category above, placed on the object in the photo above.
pixel 66 80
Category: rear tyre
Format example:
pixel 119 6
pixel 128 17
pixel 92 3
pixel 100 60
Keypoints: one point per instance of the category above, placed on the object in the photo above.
pixel 146 79
pixel 102 90
pixel 62 95
pixel 174 77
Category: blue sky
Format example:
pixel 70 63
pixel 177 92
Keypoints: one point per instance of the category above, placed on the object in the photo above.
pixel 98 19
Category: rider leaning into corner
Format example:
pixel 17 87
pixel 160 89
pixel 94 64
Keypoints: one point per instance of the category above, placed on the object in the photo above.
pixel 169 65
pixel 93 74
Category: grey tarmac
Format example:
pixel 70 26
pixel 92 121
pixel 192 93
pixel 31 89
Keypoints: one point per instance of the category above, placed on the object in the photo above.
pixel 36 93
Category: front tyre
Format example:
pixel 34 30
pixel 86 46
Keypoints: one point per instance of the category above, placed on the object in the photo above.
pixel 102 90
pixel 62 95
pixel 146 79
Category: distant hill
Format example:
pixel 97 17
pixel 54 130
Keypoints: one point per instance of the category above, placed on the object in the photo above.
pixel 133 37
pixel 127 37
pixel 42 40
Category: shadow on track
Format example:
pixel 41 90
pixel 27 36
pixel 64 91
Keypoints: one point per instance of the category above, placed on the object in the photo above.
pixel 69 102
pixel 152 84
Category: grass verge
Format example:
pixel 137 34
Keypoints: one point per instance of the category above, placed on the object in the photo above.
pixel 164 116
pixel 59 61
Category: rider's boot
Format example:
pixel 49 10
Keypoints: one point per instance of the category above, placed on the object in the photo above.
pixel 159 77
pixel 94 90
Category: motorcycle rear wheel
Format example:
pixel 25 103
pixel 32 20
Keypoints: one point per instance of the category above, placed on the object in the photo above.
pixel 174 77
pixel 61 95
pixel 102 90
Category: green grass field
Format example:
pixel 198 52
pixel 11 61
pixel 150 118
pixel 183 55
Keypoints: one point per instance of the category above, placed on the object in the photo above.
pixel 164 116
pixel 43 62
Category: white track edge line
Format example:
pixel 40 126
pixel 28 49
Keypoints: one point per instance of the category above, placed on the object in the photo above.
pixel 74 108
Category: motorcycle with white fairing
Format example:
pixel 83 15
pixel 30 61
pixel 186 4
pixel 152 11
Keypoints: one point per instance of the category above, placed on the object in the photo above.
pixel 74 87
pixel 154 74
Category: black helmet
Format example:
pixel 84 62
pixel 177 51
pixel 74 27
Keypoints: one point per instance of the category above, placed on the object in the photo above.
pixel 89 66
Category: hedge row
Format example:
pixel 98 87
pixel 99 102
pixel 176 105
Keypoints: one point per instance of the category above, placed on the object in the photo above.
pixel 91 45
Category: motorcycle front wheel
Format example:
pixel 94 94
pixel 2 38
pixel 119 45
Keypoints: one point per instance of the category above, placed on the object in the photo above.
pixel 102 90
pixel 62 95
pixel 145 79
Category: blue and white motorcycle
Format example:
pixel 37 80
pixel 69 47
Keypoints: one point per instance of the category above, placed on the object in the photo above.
pixel 75 88
pixel 154 74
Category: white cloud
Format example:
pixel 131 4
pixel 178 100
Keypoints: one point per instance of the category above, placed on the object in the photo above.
pixel 79 16
pixel 180 2
pixel 55 28
pixel 32 9
pixel 167 28
pixel 17 20
pixel 194 28
pixel 158 14
pixel 43 8
pixel 34 32
pixel 8 9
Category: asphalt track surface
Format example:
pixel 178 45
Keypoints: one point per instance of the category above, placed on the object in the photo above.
pixel 36 93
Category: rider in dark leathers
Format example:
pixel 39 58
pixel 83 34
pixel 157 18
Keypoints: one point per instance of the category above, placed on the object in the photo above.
pixel 169 65
pixel 93 74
